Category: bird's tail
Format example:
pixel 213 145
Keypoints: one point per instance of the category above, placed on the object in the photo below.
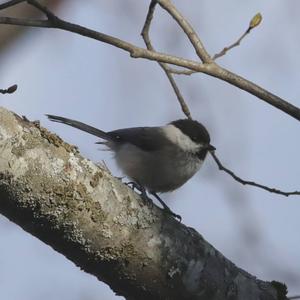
pixel 81 126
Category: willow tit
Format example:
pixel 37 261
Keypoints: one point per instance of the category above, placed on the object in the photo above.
pixel 157 159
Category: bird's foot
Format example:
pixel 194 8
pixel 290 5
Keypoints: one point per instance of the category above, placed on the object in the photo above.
pixel 170 212
pixel 133 185
pixel 167 208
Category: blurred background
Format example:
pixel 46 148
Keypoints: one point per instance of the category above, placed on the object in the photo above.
pixel 66 74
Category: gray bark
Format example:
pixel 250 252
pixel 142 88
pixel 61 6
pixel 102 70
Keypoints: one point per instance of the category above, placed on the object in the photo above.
pixel 92 218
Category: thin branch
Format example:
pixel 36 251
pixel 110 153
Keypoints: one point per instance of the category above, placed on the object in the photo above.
pixel 183 104
pixel 50 15
pixel 180 72
pixel 211 69
pixel 235 44
pixel 188 29
pixel 9 90
pixel 146 37
pixel 294 297
pixel 221 73
pixel 26 22
pixel 256 90
pixel 253 23
pixel 165 67
pixel 246 182
pixel 10 3
pixel 135 52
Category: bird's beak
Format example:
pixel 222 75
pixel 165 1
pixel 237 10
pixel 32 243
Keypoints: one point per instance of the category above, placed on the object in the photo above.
pixel 211 147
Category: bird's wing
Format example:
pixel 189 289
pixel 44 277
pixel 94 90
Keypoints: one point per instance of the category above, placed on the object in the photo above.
pixel 145 138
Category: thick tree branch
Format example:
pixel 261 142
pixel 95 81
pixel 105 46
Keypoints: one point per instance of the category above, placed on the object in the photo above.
pixel 83 212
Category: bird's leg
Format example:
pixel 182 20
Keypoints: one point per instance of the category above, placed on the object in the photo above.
pixel 133 185
pixel 144 195
pixel 141 189
pixel 166 207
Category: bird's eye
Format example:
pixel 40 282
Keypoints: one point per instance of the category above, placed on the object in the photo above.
pixel 194 138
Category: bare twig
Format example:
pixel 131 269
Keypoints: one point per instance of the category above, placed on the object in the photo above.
pixel 253 23
pixel 211 69
pixel 9 90
pixel 183 104
pixel 165 67
pixel 180 72
pixel 10 3
pixel 221 73
pixel 146 37
pixel 246 182
pixel 226 49
pixel 188 29
pixel 43 9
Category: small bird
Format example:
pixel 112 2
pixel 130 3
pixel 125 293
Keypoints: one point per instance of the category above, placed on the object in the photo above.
pixel 157 159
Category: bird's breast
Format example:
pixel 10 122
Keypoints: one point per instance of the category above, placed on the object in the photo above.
pixel 157 171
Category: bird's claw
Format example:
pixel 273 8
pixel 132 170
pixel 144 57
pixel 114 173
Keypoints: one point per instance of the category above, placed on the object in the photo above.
pixel 169 211
pixel 133 185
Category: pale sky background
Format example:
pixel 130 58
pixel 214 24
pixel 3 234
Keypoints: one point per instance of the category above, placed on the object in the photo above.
pixel 65 74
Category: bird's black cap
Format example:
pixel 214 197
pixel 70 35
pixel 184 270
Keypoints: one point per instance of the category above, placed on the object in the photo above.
pixel 193 129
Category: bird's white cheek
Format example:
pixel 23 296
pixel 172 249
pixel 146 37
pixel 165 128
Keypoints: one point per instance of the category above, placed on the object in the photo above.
pixel 183 141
